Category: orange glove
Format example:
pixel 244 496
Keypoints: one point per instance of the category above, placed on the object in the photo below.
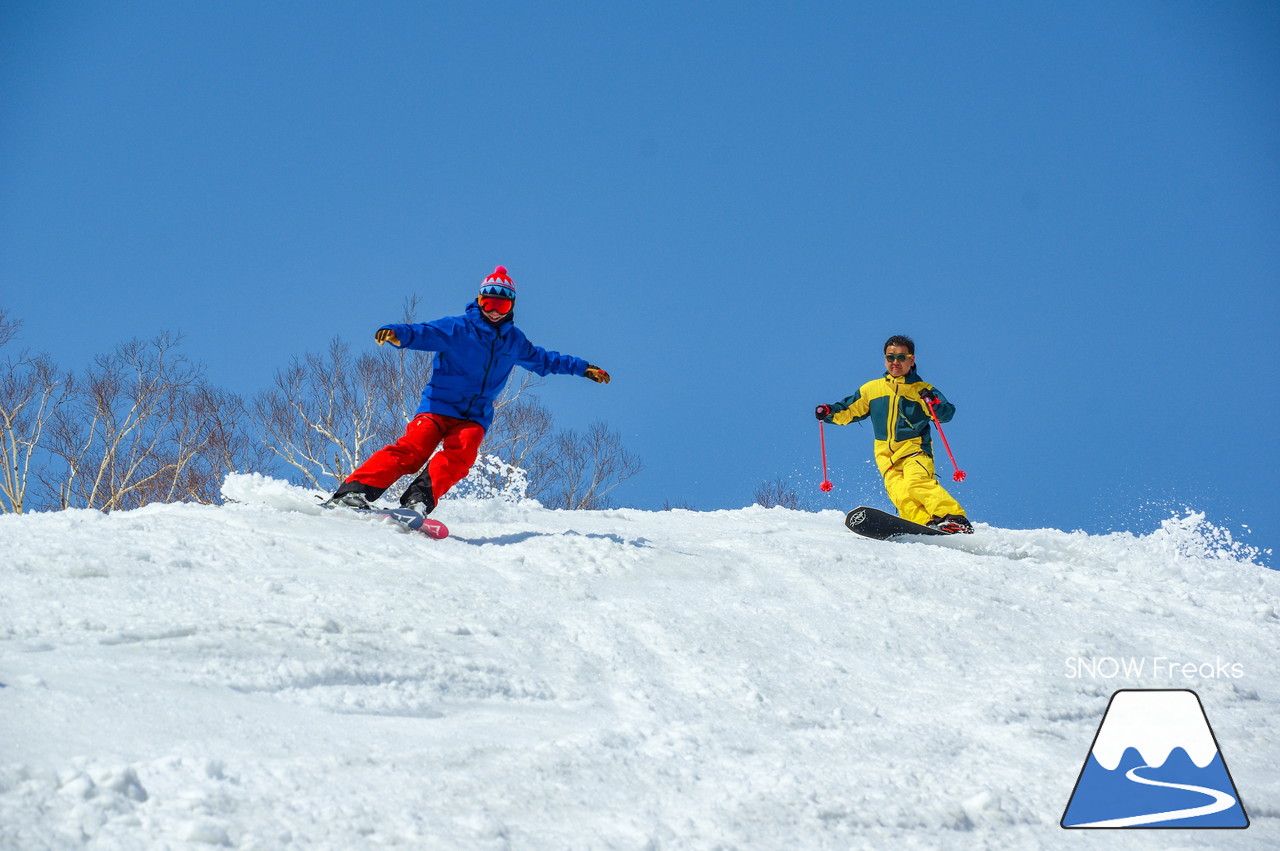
pixel 598 375
pixel 386 335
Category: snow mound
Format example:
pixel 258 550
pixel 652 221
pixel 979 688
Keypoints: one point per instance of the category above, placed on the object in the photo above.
pixel 267 674
pixel 264 490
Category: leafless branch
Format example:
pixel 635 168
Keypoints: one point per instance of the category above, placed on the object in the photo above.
pixel 777 493
pixel 142 426
pixel 31 391
pixel 579 471
pixel 327 412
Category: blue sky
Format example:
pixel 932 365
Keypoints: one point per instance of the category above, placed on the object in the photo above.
pixel 1072 207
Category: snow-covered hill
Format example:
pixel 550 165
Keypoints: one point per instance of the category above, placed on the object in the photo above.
pixel 264 675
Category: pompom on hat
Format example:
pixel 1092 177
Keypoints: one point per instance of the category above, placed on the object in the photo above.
pixel 499 284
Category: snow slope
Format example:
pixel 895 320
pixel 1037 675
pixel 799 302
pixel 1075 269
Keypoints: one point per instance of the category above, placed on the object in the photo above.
pixel 265 675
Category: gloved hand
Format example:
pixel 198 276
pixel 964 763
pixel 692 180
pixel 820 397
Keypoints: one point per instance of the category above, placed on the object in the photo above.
pixel 822 411
pixel 928 397
pixel 598 375
pixel 386 335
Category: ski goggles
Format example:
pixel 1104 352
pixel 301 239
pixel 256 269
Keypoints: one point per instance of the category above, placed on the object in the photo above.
pixel 898 357
pixel 493 302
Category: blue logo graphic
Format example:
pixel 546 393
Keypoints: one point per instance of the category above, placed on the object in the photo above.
pixel 1155 763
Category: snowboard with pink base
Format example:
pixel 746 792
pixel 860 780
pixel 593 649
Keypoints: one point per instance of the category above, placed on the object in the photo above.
pixel 408 520
pixel 412 521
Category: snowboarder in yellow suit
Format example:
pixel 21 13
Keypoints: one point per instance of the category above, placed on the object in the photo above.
pixel 897 404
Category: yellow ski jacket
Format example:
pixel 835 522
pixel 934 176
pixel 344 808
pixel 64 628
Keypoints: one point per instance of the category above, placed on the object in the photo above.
pixel 899 418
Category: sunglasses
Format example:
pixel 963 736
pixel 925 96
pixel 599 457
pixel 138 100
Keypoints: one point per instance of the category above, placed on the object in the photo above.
pixel 489 302
pixel 896 357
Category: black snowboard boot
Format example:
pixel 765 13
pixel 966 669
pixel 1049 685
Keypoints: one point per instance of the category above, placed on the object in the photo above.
pixel 353 495
pixel 418 496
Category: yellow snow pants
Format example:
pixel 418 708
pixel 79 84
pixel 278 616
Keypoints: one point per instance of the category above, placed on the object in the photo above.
pixel 912 483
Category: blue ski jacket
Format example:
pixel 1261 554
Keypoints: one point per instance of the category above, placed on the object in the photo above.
pixel 473 360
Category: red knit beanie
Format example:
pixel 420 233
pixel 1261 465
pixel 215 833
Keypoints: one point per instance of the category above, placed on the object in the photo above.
pixel 499 284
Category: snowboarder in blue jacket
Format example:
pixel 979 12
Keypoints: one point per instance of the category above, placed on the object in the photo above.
pixel 474 355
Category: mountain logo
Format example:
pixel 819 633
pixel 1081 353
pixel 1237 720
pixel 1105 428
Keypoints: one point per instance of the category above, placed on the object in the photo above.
pixel 1154 763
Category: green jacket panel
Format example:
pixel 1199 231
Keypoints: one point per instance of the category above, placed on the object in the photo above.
pixel 895 409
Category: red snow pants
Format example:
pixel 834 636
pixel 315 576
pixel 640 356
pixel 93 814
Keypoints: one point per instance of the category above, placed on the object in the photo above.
pixel 459 441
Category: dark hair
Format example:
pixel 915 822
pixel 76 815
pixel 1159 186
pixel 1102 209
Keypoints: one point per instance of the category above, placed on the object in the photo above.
pixel 901 340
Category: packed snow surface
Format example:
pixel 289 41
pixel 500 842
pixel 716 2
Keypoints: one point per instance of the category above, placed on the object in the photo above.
pixel 265 674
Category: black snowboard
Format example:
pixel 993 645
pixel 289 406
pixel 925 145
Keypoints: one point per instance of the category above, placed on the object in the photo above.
pixel 881 525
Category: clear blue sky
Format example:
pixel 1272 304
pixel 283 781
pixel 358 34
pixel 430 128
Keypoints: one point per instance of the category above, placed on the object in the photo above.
pixel 1074 208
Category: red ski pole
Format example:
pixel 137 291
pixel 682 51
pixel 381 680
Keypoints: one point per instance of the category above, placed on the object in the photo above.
pixel 958 475
pixel 826 485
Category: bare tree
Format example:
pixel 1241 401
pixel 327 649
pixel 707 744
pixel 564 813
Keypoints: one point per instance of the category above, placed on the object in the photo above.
pixel 411 370
pixel 521 423
pixel 579 471
pixel 31 390
pixel 8 328
pixel 328 410
pixel 228 446
pixel 778 493
pixel 142 426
